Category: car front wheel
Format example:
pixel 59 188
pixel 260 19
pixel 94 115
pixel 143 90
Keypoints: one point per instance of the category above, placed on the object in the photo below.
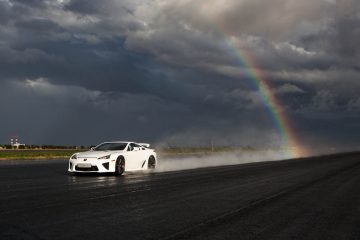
pixel 120 166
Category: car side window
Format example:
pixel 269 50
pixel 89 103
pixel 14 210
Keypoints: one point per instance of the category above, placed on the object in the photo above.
pixel 134 145
pixel 130 147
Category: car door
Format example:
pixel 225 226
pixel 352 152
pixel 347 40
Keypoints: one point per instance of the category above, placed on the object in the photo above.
pixel 135 157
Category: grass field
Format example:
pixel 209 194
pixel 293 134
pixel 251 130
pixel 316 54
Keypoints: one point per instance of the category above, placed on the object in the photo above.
pixel 36 154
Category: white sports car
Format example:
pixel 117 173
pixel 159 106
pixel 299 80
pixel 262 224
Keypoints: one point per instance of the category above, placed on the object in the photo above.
pixel 115 157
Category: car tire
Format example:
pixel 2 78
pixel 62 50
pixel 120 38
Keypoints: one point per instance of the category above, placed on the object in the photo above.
pixel 151 162
pixel 120 166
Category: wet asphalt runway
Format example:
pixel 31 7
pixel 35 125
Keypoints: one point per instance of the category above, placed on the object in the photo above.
pixel 316 198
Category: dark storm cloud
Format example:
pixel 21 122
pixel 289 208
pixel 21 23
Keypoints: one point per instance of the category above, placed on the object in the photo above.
pixel 30 3
pixel 79 112
pixel 162 70
pixel 84 7
pixel 37 25
pixel 5 12
pixel 347 36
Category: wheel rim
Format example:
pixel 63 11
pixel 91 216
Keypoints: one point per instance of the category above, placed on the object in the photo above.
pixel 120 167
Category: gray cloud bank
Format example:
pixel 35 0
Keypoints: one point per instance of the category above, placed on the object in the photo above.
pixel 79 72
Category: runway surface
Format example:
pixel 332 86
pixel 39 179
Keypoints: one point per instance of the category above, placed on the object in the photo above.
pixel 315 198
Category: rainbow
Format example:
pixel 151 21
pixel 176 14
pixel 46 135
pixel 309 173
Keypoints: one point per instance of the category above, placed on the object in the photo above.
pixel 289 141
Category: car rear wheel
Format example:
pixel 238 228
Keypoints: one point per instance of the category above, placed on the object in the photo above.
pixel 151 162
pixel 120 166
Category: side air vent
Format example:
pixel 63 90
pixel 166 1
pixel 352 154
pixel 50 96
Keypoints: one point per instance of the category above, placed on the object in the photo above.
pixel 106 165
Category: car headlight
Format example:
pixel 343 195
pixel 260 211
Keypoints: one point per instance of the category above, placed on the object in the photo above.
pixel 105 157
pixel 74 156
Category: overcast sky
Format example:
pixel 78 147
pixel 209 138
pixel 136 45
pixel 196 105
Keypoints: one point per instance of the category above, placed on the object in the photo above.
pixel 81 72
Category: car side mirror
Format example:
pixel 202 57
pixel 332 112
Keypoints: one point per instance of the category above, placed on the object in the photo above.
pixel 136 149
pixel 92 148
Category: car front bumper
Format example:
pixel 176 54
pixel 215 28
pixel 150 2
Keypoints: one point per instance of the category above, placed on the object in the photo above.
pixel 91 165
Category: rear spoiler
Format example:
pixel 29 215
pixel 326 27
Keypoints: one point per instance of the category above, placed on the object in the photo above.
pixel 144 144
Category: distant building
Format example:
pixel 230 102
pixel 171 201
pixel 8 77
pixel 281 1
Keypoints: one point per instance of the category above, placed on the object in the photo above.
pixel 18 145
pixel 14 142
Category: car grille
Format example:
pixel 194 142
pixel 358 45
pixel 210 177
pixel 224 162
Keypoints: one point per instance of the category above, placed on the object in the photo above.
pixel 93 168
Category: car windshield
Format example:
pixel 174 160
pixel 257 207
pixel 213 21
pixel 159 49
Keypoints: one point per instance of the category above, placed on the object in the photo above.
pixel 110 146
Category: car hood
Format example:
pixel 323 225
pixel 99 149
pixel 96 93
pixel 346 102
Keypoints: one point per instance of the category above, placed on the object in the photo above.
pixel 95 154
